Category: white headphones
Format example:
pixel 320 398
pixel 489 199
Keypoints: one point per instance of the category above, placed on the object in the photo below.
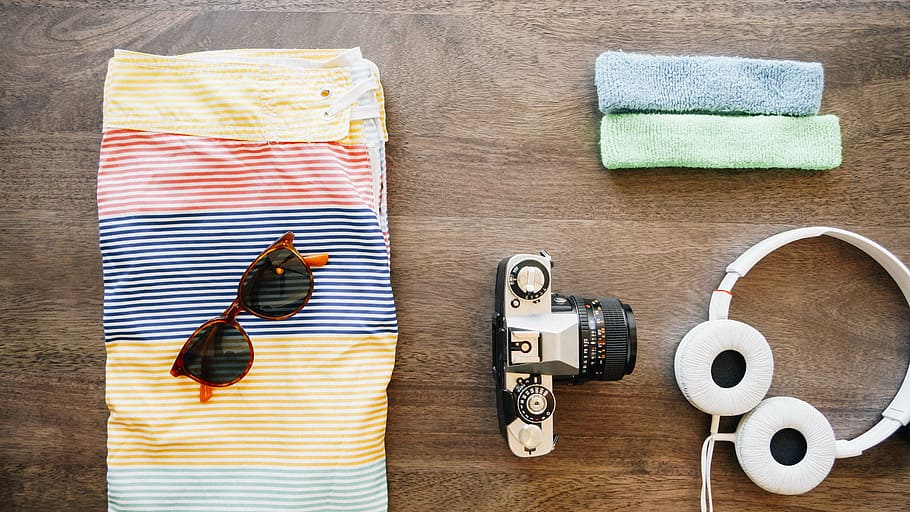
pixel 783 444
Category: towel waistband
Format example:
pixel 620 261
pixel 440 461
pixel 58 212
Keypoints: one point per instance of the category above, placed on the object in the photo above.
pixel 258 95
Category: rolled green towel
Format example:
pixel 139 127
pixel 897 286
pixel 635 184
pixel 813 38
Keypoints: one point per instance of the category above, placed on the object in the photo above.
pixel 714 141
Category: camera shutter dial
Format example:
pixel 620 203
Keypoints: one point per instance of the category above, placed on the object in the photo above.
pixel 535 403
pixel 529 280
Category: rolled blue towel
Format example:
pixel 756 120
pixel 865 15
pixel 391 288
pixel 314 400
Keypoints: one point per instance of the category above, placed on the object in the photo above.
pixel 631 82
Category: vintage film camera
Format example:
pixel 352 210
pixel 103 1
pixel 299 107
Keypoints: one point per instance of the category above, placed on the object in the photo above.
pixel 539 336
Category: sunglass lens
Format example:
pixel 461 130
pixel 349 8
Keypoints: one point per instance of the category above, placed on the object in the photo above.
pixel 218 354
pixel 278 285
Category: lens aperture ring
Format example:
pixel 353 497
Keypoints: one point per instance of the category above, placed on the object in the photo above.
pixel 595 315
pixel 589 361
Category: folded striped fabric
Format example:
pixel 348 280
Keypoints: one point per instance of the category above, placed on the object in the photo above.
pixel 693 140
pixel 631 82
pixel 206 159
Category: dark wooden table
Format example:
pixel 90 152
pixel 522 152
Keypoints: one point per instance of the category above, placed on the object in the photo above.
pixel 493 121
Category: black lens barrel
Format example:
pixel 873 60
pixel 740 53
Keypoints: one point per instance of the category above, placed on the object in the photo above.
pixel 608 339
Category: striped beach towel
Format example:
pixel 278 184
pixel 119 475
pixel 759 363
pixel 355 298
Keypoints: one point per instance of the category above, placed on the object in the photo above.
pixel 207 159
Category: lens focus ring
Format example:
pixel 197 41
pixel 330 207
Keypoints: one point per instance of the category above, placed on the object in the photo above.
pixel 616 334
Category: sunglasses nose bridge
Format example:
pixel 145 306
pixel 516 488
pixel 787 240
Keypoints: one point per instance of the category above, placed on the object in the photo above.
pixel 233 310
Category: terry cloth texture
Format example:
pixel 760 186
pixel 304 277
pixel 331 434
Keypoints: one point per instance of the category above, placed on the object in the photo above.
pixel 206 159
pixel 693 140
pixel 630 82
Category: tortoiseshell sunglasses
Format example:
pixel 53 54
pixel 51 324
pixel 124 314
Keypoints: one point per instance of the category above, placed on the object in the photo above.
pixel 275 286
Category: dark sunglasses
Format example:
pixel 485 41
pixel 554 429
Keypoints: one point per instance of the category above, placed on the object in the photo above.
pixel 275 286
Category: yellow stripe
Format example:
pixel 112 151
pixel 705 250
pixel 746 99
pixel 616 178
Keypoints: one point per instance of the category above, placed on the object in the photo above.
pixel 226 407
pixel 296 425
pixel 231 99
pixel 163 421
pixel 287 340
pixel 314 458
pixel 307 401
pixel 263 359
pixel 286 459
pixel 211 444
pixel 141 352
pixel 310 350
pixel 312 344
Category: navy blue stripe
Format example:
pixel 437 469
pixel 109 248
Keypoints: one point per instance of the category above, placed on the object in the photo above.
pixel 154 292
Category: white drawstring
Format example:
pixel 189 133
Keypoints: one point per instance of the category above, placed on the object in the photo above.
pixel 350 96
pixel 365 112
pixel 707 455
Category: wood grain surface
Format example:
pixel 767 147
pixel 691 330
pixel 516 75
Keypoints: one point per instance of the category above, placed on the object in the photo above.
pixel 493 151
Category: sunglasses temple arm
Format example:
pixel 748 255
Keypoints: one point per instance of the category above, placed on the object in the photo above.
pixel 205 393
pixel 316 260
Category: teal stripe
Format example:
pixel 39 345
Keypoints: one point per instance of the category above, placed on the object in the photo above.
pixel 194 489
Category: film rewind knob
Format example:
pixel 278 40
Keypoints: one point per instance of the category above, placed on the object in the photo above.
pixel 530 279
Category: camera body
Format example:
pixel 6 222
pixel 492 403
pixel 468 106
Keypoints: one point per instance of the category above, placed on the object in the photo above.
pixel 540 337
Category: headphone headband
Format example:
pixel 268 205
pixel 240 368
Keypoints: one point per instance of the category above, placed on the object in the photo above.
pixel 898 411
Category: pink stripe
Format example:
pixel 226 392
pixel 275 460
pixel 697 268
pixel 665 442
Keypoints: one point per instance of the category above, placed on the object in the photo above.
pixel 144 172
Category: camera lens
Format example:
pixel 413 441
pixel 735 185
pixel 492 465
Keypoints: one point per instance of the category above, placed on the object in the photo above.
pixel 608 339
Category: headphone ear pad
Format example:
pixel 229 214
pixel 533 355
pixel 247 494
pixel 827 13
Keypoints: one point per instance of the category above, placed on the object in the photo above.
pixel 770 442
pixel 697 353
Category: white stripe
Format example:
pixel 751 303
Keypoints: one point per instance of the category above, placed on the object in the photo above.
pixel 291 437
pixel 229 490
pixel 156 150
pixel 128 332
pixel 215 181
pixel 174 502
pixel 233 476
pixel 237 177
pixel 231 161
pixel 246 240
pixel 339 275
pixel 290 459
pixel 226 199
pixel 215 206
pixel 231 219
pixel 194 236
pixel 368 297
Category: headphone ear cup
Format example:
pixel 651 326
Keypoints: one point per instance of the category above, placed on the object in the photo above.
pixel 785 446
pixel 696 355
